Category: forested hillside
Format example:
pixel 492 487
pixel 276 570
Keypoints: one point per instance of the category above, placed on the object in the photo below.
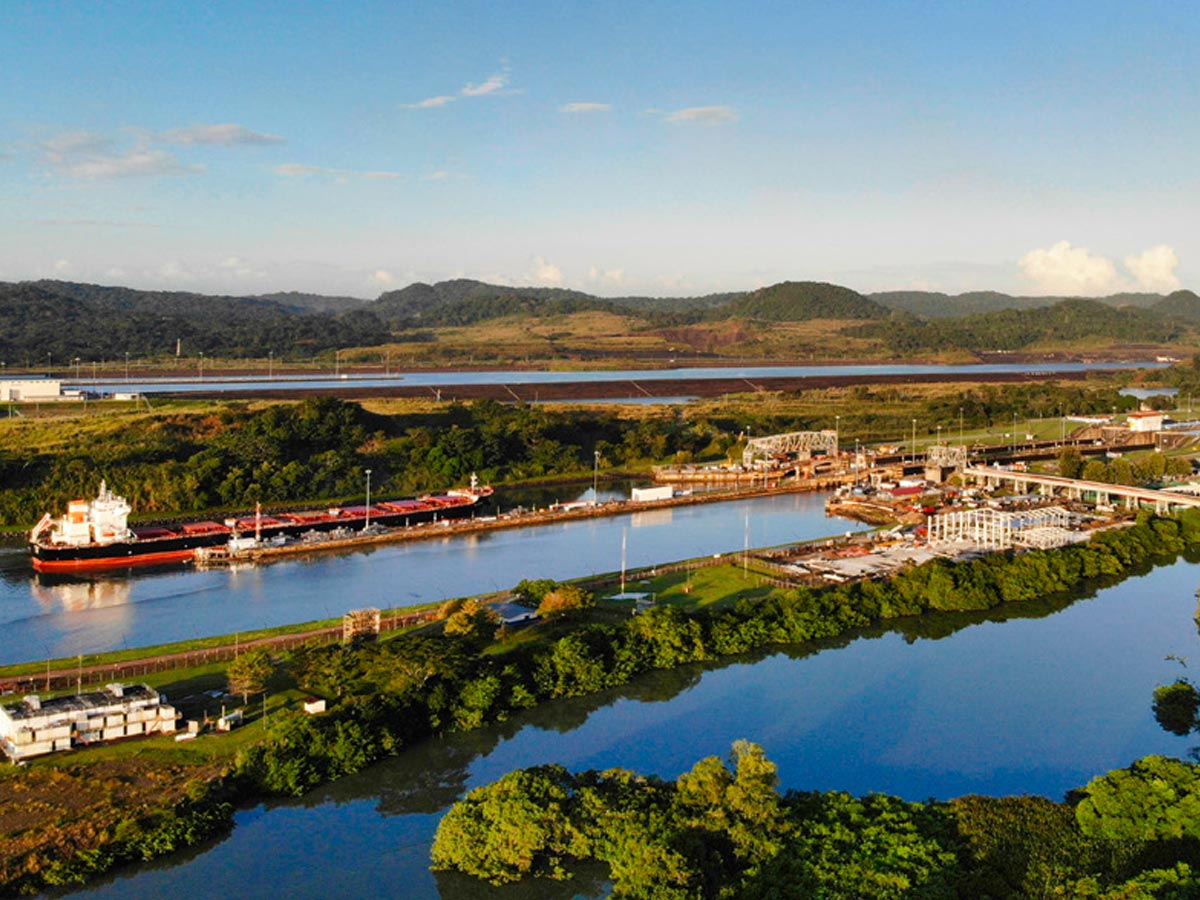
pixel 799 301
pixel 62 320
pixel 935 305
pixel 1065 322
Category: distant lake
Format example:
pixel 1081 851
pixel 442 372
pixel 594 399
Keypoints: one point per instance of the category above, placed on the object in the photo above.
pixel 445 378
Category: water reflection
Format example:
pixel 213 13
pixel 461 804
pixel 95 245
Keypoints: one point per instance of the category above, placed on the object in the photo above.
pixel 73 596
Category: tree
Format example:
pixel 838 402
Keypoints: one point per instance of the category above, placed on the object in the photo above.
pixel 534 590
pixel 1070 463
pixel 1156 798
pixel 564 599
pixel 471 621
pixel 248 673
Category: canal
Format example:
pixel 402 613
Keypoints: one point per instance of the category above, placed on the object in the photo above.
pixel 1034 698
pixel 56 616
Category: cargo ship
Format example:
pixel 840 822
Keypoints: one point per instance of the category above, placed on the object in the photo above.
pixel 94 534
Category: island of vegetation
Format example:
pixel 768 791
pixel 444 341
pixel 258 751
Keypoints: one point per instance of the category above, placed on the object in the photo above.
pixel 722 829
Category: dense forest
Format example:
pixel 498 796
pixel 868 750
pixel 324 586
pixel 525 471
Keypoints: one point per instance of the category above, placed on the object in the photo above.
pixel 799 301
pixel 1065 322
pixel 56 321
pixel 723 829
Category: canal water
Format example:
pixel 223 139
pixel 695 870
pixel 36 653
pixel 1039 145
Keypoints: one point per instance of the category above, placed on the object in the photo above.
pixel 443 378
pixel 56 616
pixel 1037 698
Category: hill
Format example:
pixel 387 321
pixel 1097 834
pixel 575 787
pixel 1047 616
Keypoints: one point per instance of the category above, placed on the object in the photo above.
pixel 801 301
pixel 1179 305
pixel 934 305
pixel 1015 329
pixel 464 301
pixel 64 320
pixel 298 301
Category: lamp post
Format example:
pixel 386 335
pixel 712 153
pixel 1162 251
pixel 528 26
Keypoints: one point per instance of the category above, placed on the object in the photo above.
pixel 837 433
pixel 270 364
pixel 960 424
pixel 201 365
pixel 126 365
pixel 367 524
pixel 595 476
pixel 76 361
pixel 914 440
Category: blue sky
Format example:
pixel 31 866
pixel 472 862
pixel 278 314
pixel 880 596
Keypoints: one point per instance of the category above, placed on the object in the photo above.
pixel 620 148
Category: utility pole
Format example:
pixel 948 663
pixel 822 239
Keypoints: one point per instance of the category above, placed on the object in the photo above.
pixel 368 522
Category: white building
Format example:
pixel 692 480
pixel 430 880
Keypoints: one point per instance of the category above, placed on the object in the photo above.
pixel 34 727
pixel 29 390
pixel 1146 420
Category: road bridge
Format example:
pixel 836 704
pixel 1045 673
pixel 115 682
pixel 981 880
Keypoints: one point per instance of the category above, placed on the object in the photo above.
pixel 1077 489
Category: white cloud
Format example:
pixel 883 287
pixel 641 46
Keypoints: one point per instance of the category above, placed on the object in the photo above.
pixel 606 277
pixel 339 176
pixel 70 145
pixel 135 163
pixel 546 274
pixel 62 266
pixel 383 278
pixel 585 107
pixel 1154 269
pixel 224 134
pixel 710 115
pixel 296 170
pixel 1064 269
pixel 493 84
pixel 431 102
pixel 241 268
pixel 90 156
pixel 173 271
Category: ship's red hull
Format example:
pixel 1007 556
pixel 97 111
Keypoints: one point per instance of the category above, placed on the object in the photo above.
pixel 178 543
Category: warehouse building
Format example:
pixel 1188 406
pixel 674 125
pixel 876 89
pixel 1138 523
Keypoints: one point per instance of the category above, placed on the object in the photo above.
pixel 35 727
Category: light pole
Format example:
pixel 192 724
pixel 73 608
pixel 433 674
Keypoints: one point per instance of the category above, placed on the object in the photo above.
pixel 914 440
pixel 960 424
pixel 76 361
pixel 367 524
pixel 201 365
pixel 126 365
pixel 270 364
pixel 595 477
pixel 939 437
pixel 837 433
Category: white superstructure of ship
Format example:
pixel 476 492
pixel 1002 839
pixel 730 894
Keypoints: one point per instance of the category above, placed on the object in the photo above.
pixel 97 522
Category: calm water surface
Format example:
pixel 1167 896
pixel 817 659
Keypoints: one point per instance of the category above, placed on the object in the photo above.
pixel 43 617
pixel 436 378
pixel 1027 705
